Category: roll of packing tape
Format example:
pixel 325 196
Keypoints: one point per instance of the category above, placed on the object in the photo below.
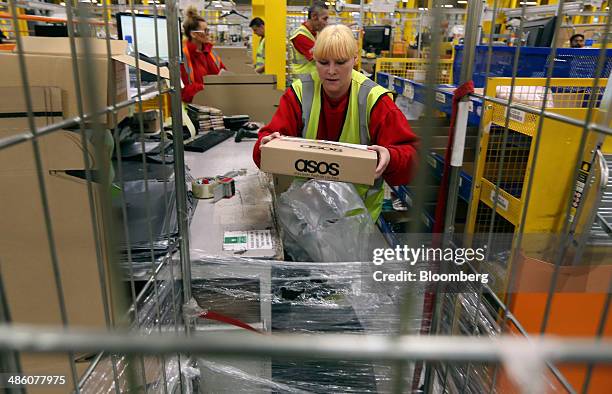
pixel 203 187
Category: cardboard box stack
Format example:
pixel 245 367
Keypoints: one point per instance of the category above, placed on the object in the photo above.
pixel 205 118
pixel 30 292
pixel 54 56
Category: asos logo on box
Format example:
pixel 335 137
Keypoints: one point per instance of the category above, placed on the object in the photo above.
pixel 319 167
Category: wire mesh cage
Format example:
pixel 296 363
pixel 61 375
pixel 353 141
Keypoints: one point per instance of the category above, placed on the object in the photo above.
pixel 415 69
pixel 100 286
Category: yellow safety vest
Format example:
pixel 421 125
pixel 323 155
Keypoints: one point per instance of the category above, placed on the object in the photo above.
pixel 261 50
pixel 364 94
pixel 301 65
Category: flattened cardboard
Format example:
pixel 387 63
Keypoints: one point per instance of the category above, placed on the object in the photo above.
pixel 237 94
pixel 319 159
pixel 51 70
pixel 30 290
pixel 144 66
pixel 52 54
pixel 61 46
pixel 236 59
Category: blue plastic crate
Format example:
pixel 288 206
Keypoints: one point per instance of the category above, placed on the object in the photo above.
pixel 533 63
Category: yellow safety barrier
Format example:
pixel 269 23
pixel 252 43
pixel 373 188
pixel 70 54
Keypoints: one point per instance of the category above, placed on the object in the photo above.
pixel 415 69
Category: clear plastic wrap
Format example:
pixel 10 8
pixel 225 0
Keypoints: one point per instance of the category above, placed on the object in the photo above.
pixel 151 220
pixel 159 310
pixel 298 297
pixel 326 221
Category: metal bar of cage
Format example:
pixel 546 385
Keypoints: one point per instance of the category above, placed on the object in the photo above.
pixel 33 134
pixel 444 348
pixel 398 349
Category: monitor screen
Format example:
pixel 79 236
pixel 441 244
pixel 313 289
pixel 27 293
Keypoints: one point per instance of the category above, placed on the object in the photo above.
pixel 145 28
pixel 539 32
pixel 50 31
pixel 377 38
pixel 374 36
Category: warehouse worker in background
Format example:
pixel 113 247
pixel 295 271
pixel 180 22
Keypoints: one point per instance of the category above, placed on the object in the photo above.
pixel 199 57
pixel 258 27
pixel 346 106
pixel 303 39
pixel 577 41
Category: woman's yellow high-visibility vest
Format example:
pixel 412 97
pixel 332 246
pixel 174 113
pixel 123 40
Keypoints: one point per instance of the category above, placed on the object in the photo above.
pixel 301 65
pixel 364 94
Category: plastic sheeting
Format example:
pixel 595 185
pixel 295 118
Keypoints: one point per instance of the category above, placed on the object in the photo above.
pixel 159 310
pixel 151 222
pixel 307 298
pixel 316 298
pixel 326 221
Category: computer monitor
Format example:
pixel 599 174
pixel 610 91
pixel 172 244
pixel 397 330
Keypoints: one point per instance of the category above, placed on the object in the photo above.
pixel 377 38
pixel 145 27
pixel 539 32
pixel 51 30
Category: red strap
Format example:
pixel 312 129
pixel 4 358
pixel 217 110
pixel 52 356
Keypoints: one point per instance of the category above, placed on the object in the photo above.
pixel 429 298
pixel 459 93
pixel 228 320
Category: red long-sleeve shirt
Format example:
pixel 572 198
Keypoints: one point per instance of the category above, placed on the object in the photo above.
pixel 303 44
pixel 388 127
pixel 203 64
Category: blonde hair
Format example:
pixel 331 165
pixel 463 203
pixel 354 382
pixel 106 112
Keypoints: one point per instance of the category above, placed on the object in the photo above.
pixel 335 42
pixel 192 21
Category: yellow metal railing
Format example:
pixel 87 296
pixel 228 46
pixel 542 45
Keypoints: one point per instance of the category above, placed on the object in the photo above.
pixel 415 69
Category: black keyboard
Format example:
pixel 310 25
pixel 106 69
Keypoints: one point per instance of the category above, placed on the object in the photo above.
pixel 204 142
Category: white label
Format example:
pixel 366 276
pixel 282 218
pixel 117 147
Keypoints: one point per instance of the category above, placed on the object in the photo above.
pixel 460 133
pixel 247 240
pixel 385 6
pixel 419 76
pixel 432 161
pixel 391 82
pixel 425 220
pixel 440 97
pixel 479 111
pixel 501 201
pixel 408 90
pixel 471 106
pixel 516 115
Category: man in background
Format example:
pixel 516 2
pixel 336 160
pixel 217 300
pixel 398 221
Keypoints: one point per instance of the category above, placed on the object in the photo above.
pixel 258 27
pixel 577 41
pixel 303 39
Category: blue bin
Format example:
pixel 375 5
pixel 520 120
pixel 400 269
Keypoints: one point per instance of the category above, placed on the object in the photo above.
pixel 533 63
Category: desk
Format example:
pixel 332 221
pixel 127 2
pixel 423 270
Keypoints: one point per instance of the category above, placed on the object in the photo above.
pixel 250 209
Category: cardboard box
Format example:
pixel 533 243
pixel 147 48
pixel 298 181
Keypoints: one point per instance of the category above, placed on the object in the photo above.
pixel 235 94
pixel 29 286
pixel 236 59
pixel 49 63
pixel 334 161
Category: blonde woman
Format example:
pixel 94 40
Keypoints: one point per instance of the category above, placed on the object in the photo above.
pixel 337 103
